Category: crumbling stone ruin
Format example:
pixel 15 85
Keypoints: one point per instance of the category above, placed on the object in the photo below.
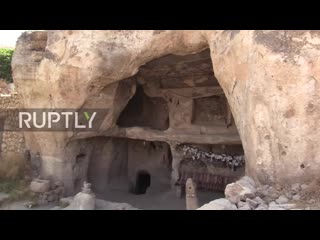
pixel 212 106
pixel 11 142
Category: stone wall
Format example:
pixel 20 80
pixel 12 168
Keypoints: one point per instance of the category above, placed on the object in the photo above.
pixel 11 141
pixel 13 161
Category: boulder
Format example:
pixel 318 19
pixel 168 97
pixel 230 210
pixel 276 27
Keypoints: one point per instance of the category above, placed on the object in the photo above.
pixel 282 199
pixel 40 186
pixel 83 201
pixel 240 190
pixel 219 204
pixel 248 180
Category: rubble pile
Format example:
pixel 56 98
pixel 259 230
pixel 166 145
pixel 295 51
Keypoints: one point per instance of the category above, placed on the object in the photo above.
pixel 244 194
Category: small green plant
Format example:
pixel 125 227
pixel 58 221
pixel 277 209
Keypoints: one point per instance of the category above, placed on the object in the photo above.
pixel 5 64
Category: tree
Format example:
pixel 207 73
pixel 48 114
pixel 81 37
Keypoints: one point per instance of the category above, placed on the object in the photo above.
pixel 5 64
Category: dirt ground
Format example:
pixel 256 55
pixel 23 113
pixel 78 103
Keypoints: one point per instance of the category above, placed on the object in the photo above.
pixel 156 198
pixel 20 205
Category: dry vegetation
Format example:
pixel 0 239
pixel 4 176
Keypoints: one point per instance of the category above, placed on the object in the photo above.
pixel 12 168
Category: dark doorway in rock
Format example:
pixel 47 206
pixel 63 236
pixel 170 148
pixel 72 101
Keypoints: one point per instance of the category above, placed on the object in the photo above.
pixel 145 111
pixel 143 182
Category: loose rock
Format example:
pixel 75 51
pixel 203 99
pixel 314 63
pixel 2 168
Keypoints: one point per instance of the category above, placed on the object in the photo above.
pixel 240 190
pixel 311 201
pixel 287 206
pixel 40 186
pixel 244 208
pixel 262 207
pixel 259 200
pixel 282 199
pixel 275 208
pixel 242 204
pixel 296 187
pixel 219 204
pixel 253 204
pixel 296 197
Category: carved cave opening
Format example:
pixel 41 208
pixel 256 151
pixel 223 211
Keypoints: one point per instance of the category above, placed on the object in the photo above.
pixel 122 167
pixel 213 110
pixel 145 111
pixel 177 101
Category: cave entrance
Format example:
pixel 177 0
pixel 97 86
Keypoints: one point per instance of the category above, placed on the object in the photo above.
pixel 129 170
pixel 145 111
pixel 173 99
pixel 143 181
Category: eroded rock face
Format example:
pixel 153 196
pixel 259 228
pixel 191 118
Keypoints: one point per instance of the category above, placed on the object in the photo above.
pixel 270 79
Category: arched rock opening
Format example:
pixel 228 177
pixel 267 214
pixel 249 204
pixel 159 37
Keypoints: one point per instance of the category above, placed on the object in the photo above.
pixel 197 112
pixel 145 111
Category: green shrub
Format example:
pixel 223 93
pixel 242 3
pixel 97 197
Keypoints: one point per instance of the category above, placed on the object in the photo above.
pixel 5 64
